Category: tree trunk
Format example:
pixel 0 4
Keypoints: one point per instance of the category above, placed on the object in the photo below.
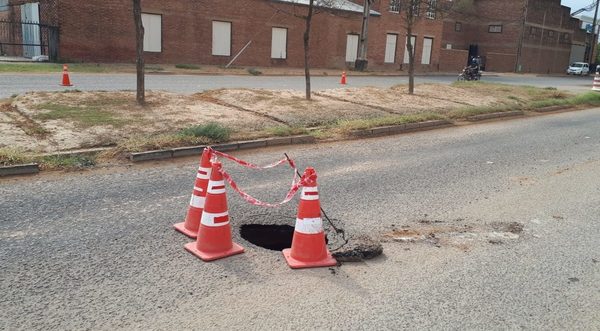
pixel 307 48
pixel 410 19
pixel 139 44
pixel 411 62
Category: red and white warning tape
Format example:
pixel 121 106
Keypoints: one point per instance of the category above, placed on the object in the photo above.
pixel 296 183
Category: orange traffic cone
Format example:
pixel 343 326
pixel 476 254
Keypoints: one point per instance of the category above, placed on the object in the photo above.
pixel 214 235
pixel 343 81
pixel 194 213
pixel 308 245
pixel 65 79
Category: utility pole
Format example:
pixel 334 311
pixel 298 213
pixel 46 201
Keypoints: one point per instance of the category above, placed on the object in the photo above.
pixel 594 37
pixel 518 66
pixel 361 60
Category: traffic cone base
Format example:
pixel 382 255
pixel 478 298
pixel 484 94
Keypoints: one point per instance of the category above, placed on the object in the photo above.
pixel 188 232
pixel 327 261
pixel 209 256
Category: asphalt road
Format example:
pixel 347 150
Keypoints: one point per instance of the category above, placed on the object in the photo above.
pixel 20 83
pixel 95 250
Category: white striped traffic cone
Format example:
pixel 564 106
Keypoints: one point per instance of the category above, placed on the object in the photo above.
pixel 194 213
pixel 596 84
pixel 214 235
pixel 309 249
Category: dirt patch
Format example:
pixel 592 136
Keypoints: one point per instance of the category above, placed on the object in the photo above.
pixel 427 97
pixel 92 119
pixel 60 121
pixel 462 236
pixel 291 107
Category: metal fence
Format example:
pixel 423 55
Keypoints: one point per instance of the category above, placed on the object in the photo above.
pixel 28 39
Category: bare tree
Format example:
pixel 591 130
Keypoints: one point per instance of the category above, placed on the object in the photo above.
pixel 139 45
pixel 411 11
pixel 308 22
pixel 412 14
pixel 314 8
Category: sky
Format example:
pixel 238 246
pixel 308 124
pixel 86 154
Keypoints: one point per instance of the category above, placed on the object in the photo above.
pixel 577 4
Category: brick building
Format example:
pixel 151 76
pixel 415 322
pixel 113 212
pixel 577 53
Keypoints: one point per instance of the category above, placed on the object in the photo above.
pixel 213 32
pixel 525 35
pixel 518 35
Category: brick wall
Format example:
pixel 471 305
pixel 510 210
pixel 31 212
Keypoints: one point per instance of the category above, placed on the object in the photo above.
pixel 105 33
pixel 453 60
pixel 547 37
pixel 500 62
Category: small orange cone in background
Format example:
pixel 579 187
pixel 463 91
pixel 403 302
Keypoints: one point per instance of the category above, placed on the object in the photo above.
pixel 194 213
pixel 214 235
pixel 65 79
pixel 308 245
pixel 343 81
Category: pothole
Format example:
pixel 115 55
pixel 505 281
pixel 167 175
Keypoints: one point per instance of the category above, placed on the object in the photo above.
pixel 269 236
pixel 273 237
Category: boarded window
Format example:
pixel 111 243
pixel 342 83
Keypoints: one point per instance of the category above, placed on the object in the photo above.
pixel 351 47
pixel 413 40
pixel 390 48
pixel 221 38
pixel 279 43
pixel 427 47
pixel 458 26
pixel 152 32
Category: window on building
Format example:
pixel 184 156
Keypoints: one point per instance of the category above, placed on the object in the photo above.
pixel 413 41
pixel 458 26
pixel 152 32
pixel 427 48
pixel 431 9
pixel 390 48
pixel 564 38
pixel 221 38
pixel 416 6
pixel 495 29
pixel 279 43
pixel 395 6
pixel 550 34
pixel 3 5
pixel 351 47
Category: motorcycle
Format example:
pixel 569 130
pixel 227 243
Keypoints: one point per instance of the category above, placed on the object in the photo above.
pixel 470 73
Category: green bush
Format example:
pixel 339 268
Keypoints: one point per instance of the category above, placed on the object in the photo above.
pixel 214 131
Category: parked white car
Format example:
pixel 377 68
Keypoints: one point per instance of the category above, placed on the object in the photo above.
pixel 579 68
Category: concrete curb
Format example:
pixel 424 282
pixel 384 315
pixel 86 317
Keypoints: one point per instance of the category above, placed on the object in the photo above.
pixel 483 117
pixel 402 128
pixel 551 108
pixel 21 169
pixel 240 145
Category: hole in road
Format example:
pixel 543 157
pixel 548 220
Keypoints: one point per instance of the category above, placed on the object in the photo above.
pixel 270 236
pixel 273 237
